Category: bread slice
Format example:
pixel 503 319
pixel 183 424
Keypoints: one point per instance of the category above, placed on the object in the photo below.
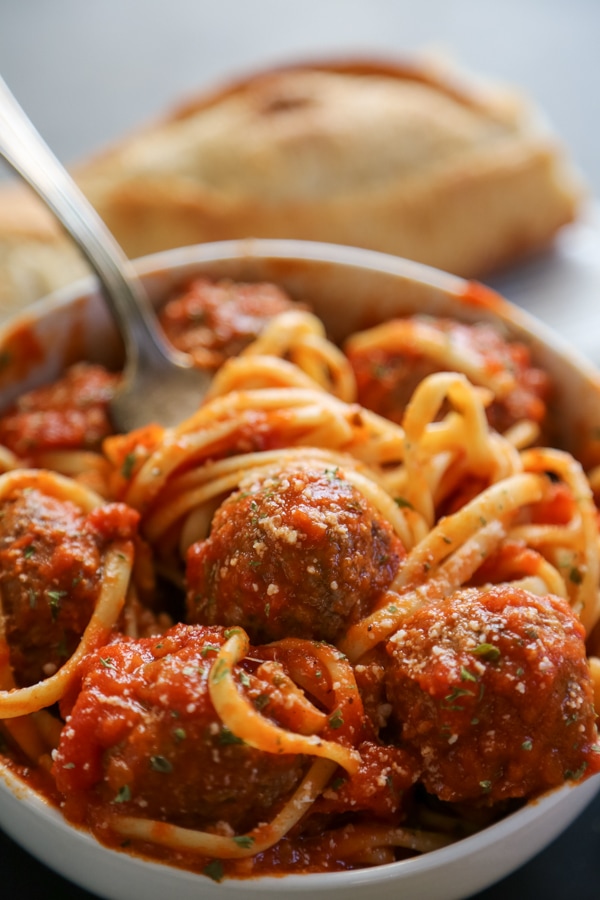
pixel 413 160
pixel 35 255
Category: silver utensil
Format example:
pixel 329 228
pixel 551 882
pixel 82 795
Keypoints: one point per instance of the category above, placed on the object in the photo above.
pixel 159 383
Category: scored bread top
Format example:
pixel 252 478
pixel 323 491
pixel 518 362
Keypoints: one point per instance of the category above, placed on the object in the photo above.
pixel 411 159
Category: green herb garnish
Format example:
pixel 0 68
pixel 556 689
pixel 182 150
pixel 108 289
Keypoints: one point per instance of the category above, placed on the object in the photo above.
pixel 228 737
pixel 466 675
pixel 214 870
pixel 261 701
pixel 123 795
pixel 55 597
pixel 128 465
pixel 161 764
pixel 244 841
pixel 487 651
pixel 336 720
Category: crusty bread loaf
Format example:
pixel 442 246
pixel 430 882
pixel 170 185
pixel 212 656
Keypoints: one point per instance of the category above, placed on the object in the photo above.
pixel 409 160
pixel 35 255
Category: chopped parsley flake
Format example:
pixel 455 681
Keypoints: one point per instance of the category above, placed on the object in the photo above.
pixel 487 651
pixel 55 597
pixel 336 720
pixel 123 795
pixel 228 737
pixel 214 870
pixel 244 840
pixel 128 465
pixel 455 693
pixel 466 675
pixel 219 671
pixel 161 764
pixel 577 774
pixel 261 701
pixel 230 632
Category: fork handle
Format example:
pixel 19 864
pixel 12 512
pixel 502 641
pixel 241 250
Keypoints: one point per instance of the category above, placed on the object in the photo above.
pixel 25 150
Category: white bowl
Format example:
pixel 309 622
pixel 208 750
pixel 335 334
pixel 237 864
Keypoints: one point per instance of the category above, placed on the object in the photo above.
pixel 349 289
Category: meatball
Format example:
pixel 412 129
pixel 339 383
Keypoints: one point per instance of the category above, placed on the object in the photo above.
pixel 50 575
pixel 143 734
pixel 215 320
pixel 492 688
pixel 301 553
pixel 71 413
pixel 387 377
pixel 382 786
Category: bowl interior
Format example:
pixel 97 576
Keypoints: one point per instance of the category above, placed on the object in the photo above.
pixel 349 289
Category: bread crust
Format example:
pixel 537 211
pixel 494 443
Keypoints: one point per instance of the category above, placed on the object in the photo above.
pixel 407 158
pixel 35 255
pixel 402 158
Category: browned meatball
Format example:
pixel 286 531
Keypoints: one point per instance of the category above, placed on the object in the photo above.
pixel 71 413
pixel 387 378
pixel 50 571
pixel 492 688
pixel 143 734
pixel 215 320
pixel 301 553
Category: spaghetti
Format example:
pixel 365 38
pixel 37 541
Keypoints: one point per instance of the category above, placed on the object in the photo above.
pixel 354 566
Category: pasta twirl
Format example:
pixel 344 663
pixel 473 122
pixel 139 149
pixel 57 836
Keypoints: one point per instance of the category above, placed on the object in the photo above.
pixel 333 619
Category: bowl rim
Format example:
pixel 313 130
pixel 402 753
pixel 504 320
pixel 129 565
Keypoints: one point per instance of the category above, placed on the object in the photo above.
pixel 190 257
pixel 264 249
pixel 516 822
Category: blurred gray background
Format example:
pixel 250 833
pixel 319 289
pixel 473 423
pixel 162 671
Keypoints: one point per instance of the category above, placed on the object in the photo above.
pixel 87 72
